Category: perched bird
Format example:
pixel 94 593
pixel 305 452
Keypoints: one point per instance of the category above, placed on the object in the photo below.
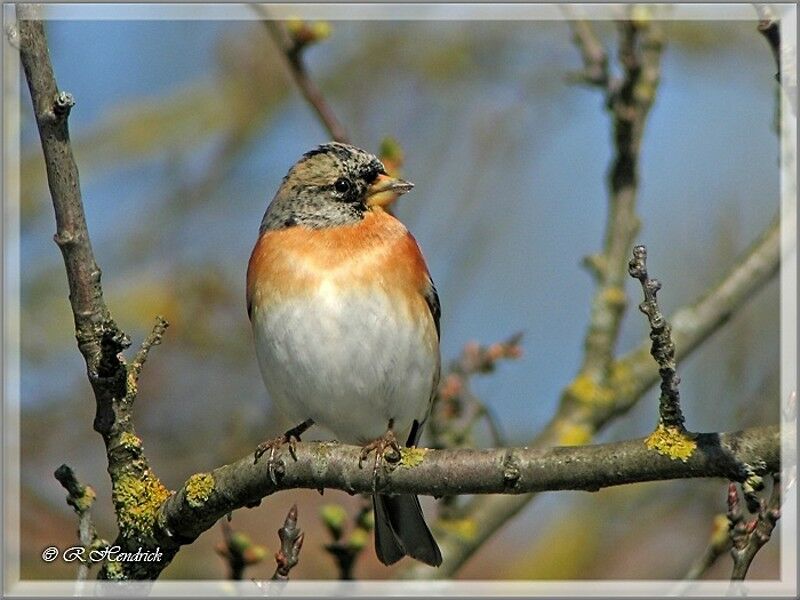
pixel 346 321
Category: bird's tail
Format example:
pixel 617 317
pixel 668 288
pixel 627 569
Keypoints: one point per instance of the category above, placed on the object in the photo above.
pixel 400 530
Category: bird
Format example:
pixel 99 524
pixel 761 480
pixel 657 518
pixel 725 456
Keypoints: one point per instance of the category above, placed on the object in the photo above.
pixel 345 319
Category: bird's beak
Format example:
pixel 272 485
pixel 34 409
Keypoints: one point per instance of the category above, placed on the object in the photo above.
pixel 385 190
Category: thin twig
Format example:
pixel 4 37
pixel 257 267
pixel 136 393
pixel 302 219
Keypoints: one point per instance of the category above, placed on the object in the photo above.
pixel 456 400
pixel 81 497
pixel 663 349
pixel 595 59
pixel 153 339
pixel 749 536
pixel 292 538
pixel 292 48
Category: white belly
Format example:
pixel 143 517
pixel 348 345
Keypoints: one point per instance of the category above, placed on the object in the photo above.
pixel 350 363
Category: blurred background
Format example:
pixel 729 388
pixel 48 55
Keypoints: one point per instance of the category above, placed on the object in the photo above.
pixel 182 132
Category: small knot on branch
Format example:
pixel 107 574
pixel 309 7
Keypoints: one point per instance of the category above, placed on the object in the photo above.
pixel 62 104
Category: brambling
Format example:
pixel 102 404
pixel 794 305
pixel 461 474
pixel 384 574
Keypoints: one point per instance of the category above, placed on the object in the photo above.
pixel 346 321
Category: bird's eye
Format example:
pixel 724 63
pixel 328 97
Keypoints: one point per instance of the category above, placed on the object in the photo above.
pixel 342 185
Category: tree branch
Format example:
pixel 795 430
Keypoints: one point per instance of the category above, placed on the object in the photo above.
pixel 595 59
pixel 136 490
pixel 292 46
pixel 629 101
pixel 454 397
pixel 465 471
pixel 51 108
pixel 663 349
pixel 81 497
pixel 748 536
pixel 694 324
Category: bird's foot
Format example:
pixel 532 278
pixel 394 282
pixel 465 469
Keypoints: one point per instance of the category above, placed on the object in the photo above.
pixel 289 438
pixel 379 446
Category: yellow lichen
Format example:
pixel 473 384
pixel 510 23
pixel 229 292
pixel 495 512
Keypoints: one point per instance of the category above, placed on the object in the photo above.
pixel 672 442
pixel 466 529
pixel 572 434
pixel 133 386
pixel 114 570
pixel 584 390
pixel 412 457
pixel 199 488
pixel 323 449
pixel 136 502
pixel 129 441
pixel 84 502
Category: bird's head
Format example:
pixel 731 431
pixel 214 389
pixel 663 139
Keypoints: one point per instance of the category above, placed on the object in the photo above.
pixel 332 185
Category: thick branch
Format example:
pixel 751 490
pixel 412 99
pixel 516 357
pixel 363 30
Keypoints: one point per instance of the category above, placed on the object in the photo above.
pixel 465 471
pixel 134 486
pixel 51 109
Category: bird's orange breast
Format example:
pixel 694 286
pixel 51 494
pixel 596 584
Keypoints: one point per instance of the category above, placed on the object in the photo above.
pixel 377 251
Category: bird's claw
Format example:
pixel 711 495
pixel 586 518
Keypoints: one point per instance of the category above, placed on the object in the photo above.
pixel 271 446
pixel 379 446
pixel 289 438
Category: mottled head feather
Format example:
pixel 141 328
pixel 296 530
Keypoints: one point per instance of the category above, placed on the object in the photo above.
pixel 325 188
